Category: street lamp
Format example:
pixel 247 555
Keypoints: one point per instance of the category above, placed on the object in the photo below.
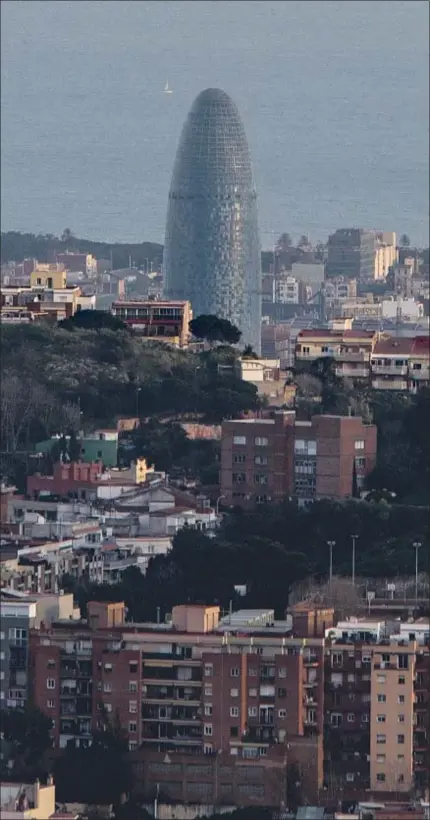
pixel 354 538
pixel 217 503
pixel 416 545
pixel 138 389
pixel 330 545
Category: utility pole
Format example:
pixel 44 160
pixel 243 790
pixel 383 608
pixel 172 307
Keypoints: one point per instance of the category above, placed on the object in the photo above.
pixel 354 538
pixel 330 545
pixel 416 545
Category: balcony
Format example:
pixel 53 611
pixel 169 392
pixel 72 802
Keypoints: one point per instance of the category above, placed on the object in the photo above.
pixel 419 375
pixel 352 372
pixel 352 356
pixel 389 369
pixel 311 660
pixel 311 684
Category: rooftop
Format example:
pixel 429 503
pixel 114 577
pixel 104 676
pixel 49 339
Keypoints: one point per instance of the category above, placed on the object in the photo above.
pixel 394 346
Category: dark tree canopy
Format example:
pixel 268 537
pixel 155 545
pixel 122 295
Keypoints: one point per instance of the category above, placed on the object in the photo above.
pixel 214 329
pixel 93 320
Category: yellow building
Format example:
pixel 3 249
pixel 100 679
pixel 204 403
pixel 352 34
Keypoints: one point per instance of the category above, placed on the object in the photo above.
pixel 53 277
pixel 27 801
pixel 386 253
pixel 392 717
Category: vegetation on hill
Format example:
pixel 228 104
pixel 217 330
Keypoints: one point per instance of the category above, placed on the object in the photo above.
pixel 17 246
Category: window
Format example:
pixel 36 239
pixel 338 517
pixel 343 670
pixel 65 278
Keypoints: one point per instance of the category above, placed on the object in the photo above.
pixel 380 758
pixel 381 739
pixel 207 730
pixel 401 718
pixel 401 679
pixel 208 749
pixel 261 441
pixel 239 478
pixel 380 777
pixel 209 670
pixel 234 711
pixel 132 686
pixel 401 778
pixel 208 690
pixel 234 731
pixel 359 445
pixel 351 717
pixel 382 698
pixel 381 678
pixel 350 777
pixel 132 706
pixel 234 672
pixel 336 719
pixel 403 661
pixel 380 718
pixel 51 664
pixel 239 439
pixel 208 709
pixel 50 683
pixel 260 478
pixel 132 665
pixel 282 693
pixel 282 672
pixel 252 672
pixel 365 717
pixel 132 726
pixel 252 711
pixel 351 696
pixel 239 458
pixel 400 738
pixel 400 757
pixel 50 704
pixel 234 693
pixel 252 693
pixel 282 713
pixel 336 658
pixel 107 687
pixel 261 460
pixel 305 447
pixel 132 745
pixel 401 699
pixel 108 667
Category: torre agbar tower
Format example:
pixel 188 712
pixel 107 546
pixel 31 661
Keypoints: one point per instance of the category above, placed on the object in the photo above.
pixel 212 247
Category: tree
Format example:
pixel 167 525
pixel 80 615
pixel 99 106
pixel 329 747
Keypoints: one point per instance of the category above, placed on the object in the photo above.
pixel 284 243
pixel 214 329
pixel 405 242
pixel 93 320
pixel 28 733
pixel 304 243
pixel 249 353
pixel 74 447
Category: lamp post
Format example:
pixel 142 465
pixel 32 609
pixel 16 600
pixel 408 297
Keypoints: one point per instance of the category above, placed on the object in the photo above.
pixel 217 503
pixel 330 545
pixel 354 538
pixel 138 389
pixel 416 546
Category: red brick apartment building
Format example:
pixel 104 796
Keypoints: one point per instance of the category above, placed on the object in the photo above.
pixel 267 459
pixel 164 321
pixel 214 709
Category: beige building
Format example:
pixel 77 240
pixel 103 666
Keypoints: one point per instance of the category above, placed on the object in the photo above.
pixel 53 277
pixel 392 717
pixel 386 253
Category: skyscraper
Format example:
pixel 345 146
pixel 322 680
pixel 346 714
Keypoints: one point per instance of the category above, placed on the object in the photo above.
pixel 212 246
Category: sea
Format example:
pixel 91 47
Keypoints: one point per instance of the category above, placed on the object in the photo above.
pixel 334 97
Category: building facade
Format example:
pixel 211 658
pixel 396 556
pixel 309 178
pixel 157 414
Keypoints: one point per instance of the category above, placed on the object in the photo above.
pixel 215 709
pixel 166 321
pixel 212 248
pixel 269 459
pixel 350 349
pixel 351 253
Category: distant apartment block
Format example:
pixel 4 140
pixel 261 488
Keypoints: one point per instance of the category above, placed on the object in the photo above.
pixel 269 379
pixel 215 709
pixel 401 363
pixel 166 321
pixel 386 254
pixel 78 262
pixel 350 349
pixel 268 459
pixel 351 253
pixel 101 445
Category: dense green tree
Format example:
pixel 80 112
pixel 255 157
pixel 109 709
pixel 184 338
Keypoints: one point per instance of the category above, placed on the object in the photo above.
pixel 27 733
pixel 214 329
pixel 93 320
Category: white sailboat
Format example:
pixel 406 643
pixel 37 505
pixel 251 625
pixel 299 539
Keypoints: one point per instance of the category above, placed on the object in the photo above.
pixel 167 89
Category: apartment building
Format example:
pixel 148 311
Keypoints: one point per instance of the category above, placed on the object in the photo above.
pixel 269 379
pixel 165 321
pixel 77 262
pixel 376 709
pixel 21 612
pixel 215 708
pixel 400 363
pixel 268 459
pixel 386 254
pixel 351 253
pixel 290 290
pixel 87 480
pixel 350 348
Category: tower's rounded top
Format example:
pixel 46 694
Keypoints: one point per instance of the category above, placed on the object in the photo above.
pixel 214 98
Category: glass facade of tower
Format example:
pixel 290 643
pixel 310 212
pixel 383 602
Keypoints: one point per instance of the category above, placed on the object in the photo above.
pixel 212 246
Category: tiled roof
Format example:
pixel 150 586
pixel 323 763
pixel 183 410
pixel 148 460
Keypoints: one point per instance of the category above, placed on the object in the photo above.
pixel 394 346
